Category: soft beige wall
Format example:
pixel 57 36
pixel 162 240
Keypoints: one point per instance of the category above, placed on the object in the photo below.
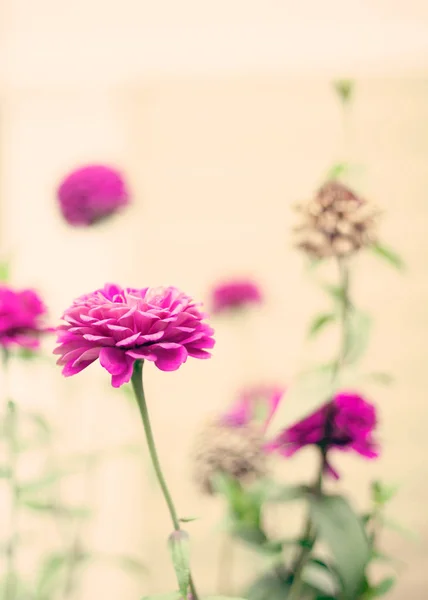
pixel 215 166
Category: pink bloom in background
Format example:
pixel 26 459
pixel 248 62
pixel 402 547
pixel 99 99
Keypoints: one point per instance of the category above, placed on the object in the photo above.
pixel 235 294
pixel 254 405
pixel 119 326
pixel 21 318
pixel 90 194
pixel 346 423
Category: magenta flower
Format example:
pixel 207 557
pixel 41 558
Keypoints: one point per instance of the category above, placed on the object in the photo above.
pixel 254 405
pixel 21 318
pixel 90 194
pixel 346 423
pixel 119 326
pixel 235 294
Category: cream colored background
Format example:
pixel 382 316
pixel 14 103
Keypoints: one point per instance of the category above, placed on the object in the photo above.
pixel 218 137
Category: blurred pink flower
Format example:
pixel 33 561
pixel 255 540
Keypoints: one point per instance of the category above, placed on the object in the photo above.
pixel 90 194
pixel 21 318
pixel 255 405
pixel 346 423
pixel 119 326
pixel 235 294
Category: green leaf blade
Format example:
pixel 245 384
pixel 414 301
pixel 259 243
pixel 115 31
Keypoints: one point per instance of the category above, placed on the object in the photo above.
pixel 179 547
pixel 360 324
pixel 383 587
pixel 341 529
pixel 269 586
pixel 320 322
pixel 388 255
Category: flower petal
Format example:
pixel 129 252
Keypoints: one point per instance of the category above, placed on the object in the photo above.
pixel 169 356
pixel 113 360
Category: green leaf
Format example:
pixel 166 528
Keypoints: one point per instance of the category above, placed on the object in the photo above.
pixel 319 322
pixel 381 493
pixel 245 532
pixel 270 586
pixel 46 481
pixel 61 511
pixel 335 291
pixel 188 519
pixel 179 547
pixel 386 558
pixel 337 171
pixel 244 505
pixel 4 271
pixel 381 378
pixel 4 472
pixel 285 493
pixel 309 391
pixel 398 528
pixel 358 336
pixel 341 529
pixel 384 586
pixel 41 423
pixel 319 577
pixel 389 255
pixel 51 568
pixel 313 263
pixel 344 89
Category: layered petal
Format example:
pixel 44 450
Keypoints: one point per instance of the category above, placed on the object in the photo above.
pixel 120 326
pixel 89 195
pixel 235 294
pixel 347 423
pixel 22 315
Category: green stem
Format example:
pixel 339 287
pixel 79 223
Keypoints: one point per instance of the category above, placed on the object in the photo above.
pixel 12 457
pixel 345 308
pixel 137 385
pixel 309 533
pixel 309 537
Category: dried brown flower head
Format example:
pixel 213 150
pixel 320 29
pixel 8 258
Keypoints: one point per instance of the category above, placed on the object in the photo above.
pixel 336 222
pixel 233 451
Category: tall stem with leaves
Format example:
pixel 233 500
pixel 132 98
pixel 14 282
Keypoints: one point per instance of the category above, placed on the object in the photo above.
pixel 10 432
pixel 309 533
pixel 178 539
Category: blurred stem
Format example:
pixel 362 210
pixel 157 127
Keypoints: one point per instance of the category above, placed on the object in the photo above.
pixel 137 385
pixel 345 307
pixel 309 533
pixel 12 459
pixel 225 566
pixel 73 558
pixel 308 536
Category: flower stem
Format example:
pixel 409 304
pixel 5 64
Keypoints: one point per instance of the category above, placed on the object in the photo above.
pixel 12 456
pixel 345 307
pixel 309 537
pixel 309 533
pixel 137 384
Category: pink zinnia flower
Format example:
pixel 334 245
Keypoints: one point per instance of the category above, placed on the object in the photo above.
pixel 346 423
pixel 254 405
pixel 90 194
pixel 235 294
pixel 119 326
pixel 21 318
